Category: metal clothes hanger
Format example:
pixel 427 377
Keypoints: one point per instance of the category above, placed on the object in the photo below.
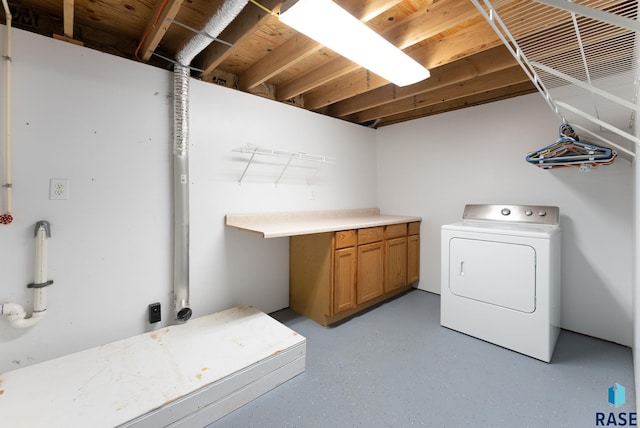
pixel 569 151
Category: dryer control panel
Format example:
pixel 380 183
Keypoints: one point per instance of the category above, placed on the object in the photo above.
pixel 536 214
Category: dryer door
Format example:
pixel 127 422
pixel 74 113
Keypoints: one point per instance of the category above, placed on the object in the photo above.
pixel 497 273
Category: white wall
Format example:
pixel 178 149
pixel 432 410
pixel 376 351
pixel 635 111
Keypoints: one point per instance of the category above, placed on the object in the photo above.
pixel 238 267
pixel 636 273
pixel 94 120
pixel 105 124
pixel 477 155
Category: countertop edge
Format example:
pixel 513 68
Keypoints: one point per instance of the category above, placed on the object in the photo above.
pixel 277 225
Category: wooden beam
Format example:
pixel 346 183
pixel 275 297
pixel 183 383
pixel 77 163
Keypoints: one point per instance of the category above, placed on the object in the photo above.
pixel 68 7
pixel 300 47
pixel 367 10
pixel 431 54
pixel 464 102
pixel 157 27
pixel 67 39
pixel 327 72
pixel 243 26
pixel 500 79
pixel 468 41
pixel 293 50
pixel 429 22
pixel 481 64
pixel 421 26
pixel 67 17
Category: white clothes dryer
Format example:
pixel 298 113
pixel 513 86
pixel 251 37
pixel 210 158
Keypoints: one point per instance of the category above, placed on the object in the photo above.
pixel 501 277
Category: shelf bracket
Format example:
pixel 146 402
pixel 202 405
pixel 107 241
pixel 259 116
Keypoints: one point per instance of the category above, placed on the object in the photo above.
pixel 247 167
pixel 285 168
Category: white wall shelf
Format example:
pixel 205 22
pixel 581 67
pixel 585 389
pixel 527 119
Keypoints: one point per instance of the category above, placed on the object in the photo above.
pixel 290 156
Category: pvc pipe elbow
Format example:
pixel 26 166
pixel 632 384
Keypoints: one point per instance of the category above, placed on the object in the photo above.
pixel 16 315
pixel 12 311
pixel 27 322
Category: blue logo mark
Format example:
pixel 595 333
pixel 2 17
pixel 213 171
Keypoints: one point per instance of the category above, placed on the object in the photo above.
pixel 617 398
pixel 616 395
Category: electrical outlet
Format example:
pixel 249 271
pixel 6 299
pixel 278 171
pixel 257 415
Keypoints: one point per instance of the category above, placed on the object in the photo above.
pixel 58 188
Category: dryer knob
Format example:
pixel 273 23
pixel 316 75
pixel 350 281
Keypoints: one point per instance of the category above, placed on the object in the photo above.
pixel 528 213
pixel 505 211
pixel 542 213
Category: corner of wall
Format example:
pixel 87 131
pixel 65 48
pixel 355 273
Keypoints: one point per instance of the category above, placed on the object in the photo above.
pixel 636 273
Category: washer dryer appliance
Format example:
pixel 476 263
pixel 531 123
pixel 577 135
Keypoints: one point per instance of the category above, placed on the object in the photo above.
pixel 501 277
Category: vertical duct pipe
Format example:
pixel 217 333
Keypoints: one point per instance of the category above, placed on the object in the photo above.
pixel 212 29
pixel 181 193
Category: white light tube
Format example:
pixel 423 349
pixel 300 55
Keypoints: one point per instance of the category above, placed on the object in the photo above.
pixel 330 25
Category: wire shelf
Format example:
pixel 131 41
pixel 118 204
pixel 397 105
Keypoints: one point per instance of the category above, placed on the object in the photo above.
pixel 290 156
pixel 581 55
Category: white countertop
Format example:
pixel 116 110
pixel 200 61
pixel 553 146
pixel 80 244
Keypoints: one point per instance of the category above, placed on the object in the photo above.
pixel 274 225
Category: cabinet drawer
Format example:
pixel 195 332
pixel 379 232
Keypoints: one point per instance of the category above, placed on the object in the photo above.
pixel 345 238
pixel 370 234
pixel 395 230
pixel 414 228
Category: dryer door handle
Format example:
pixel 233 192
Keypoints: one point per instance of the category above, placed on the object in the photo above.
pixel 461 268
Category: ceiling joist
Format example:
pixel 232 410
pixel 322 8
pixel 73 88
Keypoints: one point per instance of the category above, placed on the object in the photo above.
pixel 161 17
pixel 500 79
pixel 68 18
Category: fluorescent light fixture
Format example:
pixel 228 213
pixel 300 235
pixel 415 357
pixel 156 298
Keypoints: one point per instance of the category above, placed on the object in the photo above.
pixel 330 25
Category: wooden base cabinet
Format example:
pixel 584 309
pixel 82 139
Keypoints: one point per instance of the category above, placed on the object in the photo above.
pixel 335 275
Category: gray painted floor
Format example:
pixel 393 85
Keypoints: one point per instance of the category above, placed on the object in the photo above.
pixel 395 366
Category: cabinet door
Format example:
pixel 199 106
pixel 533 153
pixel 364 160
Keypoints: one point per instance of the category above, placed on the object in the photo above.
pixel 370 272
pixel 413 258
pixel 344 283
pixel 395 263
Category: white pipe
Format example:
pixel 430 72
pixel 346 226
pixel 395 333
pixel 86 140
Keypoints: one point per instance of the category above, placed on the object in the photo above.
pixel 218 22
pixel 40 276
pixel 16 316
pixel 15 313
pixel 12 310
pixel 7 218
